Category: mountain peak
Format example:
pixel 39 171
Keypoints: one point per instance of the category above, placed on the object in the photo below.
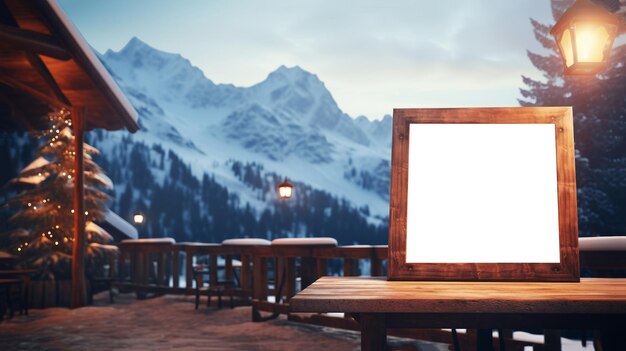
pixel 292 75
pixel 138 46
pixel 291 70
pixel 134 41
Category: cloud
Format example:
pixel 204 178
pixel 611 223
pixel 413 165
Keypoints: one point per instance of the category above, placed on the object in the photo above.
pixel 373 55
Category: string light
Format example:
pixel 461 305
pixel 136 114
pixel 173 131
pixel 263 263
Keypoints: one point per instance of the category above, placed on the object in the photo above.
pixel 59 141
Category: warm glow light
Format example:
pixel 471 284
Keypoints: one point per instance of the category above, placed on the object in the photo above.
pixel 138 218
pixel 585 35
pixel 285 190
pixel 590 42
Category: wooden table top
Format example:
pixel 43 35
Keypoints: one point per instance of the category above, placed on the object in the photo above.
pixel 377 295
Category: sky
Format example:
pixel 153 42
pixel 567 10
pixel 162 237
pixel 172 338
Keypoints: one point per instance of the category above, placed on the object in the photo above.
pixel 373 56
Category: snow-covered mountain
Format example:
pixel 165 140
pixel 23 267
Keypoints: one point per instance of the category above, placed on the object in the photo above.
pixel 289 123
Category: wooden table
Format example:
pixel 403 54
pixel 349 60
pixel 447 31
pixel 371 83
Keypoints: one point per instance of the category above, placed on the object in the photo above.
pixel 593 304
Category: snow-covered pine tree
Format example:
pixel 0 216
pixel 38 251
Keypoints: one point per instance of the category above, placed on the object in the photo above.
pixel 599 105
pixel 44 213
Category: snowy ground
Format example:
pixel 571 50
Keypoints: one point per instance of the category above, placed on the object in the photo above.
pixel 170 323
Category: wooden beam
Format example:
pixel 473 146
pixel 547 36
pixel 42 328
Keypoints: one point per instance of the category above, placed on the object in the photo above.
pixel 43 71
pixel 35 42
pixel 84 62
pixel 78 247
pixel 16 84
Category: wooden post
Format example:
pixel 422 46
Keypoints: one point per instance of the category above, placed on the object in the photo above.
pixel 189 269
pixel 78 246
pixel 176 267
pixel 259 289
pixel 308 271
pixel 373 332
pixel 245 278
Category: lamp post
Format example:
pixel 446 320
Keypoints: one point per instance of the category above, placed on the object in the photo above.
pixel 138 218
pixel 285 190
pixel 584 36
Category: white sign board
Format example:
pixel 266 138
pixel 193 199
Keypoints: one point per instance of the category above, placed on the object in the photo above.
pixel 482 193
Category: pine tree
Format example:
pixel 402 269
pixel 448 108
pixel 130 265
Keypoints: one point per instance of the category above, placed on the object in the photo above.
pixel 44 213
pixel 599 104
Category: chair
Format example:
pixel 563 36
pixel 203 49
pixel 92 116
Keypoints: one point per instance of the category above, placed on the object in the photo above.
pixel 11 290
pixel 286 253
pixel 232 284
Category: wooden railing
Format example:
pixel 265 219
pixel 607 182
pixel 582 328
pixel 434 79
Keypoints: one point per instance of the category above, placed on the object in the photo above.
pixel 270 275
pixel 158 267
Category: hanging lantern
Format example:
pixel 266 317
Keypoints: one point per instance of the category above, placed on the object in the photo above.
pixel 285 190
pixel 585 35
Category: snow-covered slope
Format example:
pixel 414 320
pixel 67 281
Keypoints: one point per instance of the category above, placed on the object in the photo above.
pixel 289 123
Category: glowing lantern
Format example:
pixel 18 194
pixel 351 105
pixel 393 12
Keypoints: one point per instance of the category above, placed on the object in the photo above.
pixel 285 190
pixel 584 35
pixel 138 218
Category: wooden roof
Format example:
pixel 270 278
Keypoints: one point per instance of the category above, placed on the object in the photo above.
pixel 46 64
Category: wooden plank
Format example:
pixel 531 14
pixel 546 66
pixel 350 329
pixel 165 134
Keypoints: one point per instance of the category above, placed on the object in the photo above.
pixel 308 271
pixel 290 277
pixel 32 41
pixel 213 270
pixel 246 274
pixel 365 294
pixel 78 245
pixel 176 268
pixel 259 291
pixel 28 89
pixel 188 267
pixel 377 267
pixel 228 268
pixel 322 267
pixel 348 267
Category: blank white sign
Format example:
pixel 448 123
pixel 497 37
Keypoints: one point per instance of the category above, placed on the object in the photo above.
pixel 482 193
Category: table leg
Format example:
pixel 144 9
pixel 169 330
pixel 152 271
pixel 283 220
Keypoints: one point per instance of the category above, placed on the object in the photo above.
pixel 484 340
pixel 373 332
pixel 612 340
pixel 552 340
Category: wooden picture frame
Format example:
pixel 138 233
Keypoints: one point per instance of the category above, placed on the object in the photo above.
pixel 565 266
